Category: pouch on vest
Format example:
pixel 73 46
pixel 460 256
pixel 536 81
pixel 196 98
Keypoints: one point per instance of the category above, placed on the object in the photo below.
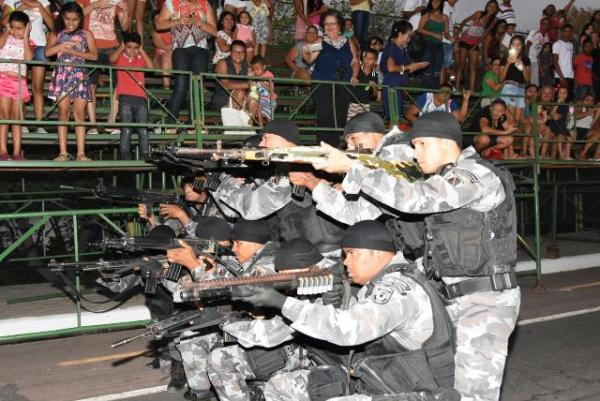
pixel 393 373
pixel 265 362
pixel 408 236
pixel 325 382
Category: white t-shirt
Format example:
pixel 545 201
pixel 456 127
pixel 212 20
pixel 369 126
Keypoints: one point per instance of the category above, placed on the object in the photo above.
pixel 506 40
pixel 565 58
pixel 507 13
pixel 538 40
pixel 449 11
pixel 38 34
pixel 410 5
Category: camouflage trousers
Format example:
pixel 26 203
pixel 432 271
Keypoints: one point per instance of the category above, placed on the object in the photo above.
pixel 288 386
pixel 194 353
pixel 483 322
pixel 228 370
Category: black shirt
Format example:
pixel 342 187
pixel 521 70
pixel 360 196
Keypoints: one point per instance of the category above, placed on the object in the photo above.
pixel 486 113
pixel 513 73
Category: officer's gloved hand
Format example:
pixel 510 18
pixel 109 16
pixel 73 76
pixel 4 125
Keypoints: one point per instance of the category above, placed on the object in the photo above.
pixel 334 296
pixel 259 296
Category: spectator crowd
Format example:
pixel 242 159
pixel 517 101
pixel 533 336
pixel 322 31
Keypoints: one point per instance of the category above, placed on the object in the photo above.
pixel 427 48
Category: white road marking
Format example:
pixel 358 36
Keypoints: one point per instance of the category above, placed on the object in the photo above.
pixel 128 394
pixel 557 316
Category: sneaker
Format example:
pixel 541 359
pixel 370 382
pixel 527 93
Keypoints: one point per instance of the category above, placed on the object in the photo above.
pixel 115 132
pixel 4 157
pixel 494 154
pixel 24 130
pixel 92 131
pixel 40 130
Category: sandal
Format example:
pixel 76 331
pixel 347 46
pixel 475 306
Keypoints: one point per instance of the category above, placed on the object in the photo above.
pixel 81 157
pixel 63 157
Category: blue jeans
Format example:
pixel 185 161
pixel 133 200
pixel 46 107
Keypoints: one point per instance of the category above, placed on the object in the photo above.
pixel 434 53
pixel 583 90
pixel 448 53
pixel 133 109
pixel 192 59
pixel 360 20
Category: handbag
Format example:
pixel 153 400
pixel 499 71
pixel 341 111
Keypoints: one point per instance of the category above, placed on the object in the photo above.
pixel 236 118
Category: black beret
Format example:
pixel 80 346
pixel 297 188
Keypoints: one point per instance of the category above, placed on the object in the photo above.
pixel 213 228
pixel 365 122
pixel 250 231
pixel 369 234
pixel 283 128
pixel 298 253
pixel 252 141
pixel 437 124
pixel 162 232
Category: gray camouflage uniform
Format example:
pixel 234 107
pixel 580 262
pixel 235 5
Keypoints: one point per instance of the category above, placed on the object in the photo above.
pixel 483 320
pixel 351 210
pixel 395 306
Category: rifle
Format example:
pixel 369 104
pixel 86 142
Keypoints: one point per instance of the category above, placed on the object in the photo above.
pixel 131 244
pixel 188 320
pixel 408 170
pixel 123 195
pixel 108 268
pixel 306 282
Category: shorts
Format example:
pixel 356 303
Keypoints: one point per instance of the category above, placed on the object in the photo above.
pixel 265 107
pixel 103 55
pixel 448 53
pixel 558 127
pixel 582 133
pixel 9 88
pixel 465 46
pixel 236 3
pixel 511 89
pixel 160 52
pixel 38 54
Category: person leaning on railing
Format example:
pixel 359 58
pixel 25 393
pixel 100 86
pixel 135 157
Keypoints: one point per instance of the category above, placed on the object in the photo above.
pixel 337 61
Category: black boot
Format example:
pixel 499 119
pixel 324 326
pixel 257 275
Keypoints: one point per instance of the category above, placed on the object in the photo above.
pixel 178 379
pixel 200 395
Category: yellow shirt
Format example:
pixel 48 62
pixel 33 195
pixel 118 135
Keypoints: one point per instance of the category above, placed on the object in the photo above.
pixel 364 6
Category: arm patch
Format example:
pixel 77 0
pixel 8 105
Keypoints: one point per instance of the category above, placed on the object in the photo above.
pixel 459 175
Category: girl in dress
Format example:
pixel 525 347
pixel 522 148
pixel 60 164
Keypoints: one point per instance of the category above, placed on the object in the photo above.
pixel 245 33
pixel 14 45
pixel 259 11
pixel 72 46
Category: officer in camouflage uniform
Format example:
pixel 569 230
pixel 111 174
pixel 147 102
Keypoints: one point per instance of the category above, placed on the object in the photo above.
pixel 399 325
pixel 470 242
pixel 265 345
pixel 363 131
pixel 274 196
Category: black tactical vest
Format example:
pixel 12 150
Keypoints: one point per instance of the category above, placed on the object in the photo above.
pixel 465 242
pixel 386 367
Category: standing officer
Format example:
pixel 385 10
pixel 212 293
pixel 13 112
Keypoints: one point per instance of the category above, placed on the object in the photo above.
pixel 470 241
pixel 399 323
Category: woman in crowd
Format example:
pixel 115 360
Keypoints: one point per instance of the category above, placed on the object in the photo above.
pixel 226 34
pixel 491 84
pixel 492 44
pixel 308 12
pixel 396 64
pixel 190 28
pixel 338 60
pixel 433 25
pixel 515 74
pixel 586 33
pixel 294 59
pixel 479 24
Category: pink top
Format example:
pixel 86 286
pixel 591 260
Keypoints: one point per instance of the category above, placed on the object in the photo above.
pixel 244 32
pixel 13 50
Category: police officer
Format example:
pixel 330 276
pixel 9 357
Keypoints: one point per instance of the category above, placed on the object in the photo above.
pixel 295 212
pixel 399 322
pixel 470 239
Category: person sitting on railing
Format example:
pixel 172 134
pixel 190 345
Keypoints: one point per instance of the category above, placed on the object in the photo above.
pixel 14 45
pixel 496 129
pixel 40 19
pixel 133 101
pixel 439 101
pixel 262 99
pixel 586 123
pixel 71 44
pixel 234 64
pixel 295 60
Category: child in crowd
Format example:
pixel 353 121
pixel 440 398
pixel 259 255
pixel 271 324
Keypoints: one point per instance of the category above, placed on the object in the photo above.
pixel 586 123
pixel 546 65
pixel 583 70
pixel 70 85
pixel 162 41
pixel 348 28
pixel 527 122
pixel 14 45
pixel 259 11
pixel 245 33
pixel 364 94
pixel 559 121
pixel 262 97
pixel 133 103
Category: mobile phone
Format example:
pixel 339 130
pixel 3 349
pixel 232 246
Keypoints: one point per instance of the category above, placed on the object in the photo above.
pixel 315 47
pixel 512 52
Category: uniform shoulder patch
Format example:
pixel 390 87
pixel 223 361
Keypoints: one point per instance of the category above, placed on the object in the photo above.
pixel 460 175
pixel 398 281
pixel 382 293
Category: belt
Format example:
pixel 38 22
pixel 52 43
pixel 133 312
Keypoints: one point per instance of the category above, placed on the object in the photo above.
pixel 515 83
pixel 495 282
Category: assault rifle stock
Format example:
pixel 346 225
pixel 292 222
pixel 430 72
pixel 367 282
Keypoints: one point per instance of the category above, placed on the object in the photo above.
pixel 298 154
pixel 131 244
pixel 306 282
